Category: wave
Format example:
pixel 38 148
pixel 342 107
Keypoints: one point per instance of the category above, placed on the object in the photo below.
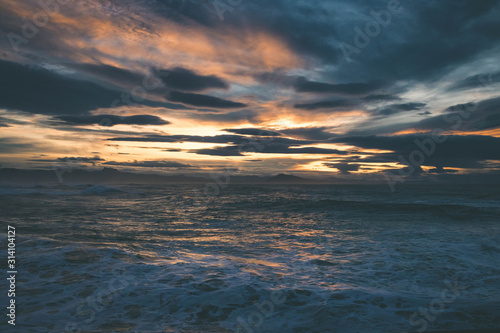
pixel 100 189
pixel 461 210
pixel 60 190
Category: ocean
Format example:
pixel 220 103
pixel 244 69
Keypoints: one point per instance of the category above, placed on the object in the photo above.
pixel 253 258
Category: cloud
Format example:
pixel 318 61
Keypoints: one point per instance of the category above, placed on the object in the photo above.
pixel 6 122
pixel 238 144
pixel 280 61
pixel 150 164
pixel 226 138
pixel 98 160
pixel 10 145
pixel 309 133
pixel 110 73
pixel 252 131
pixel 407 106
pixel 411 47
pixel 237 117
pixel 344 168
pixel 183 79
pixel 463 151
pixel 111 120
pixel 397 108
pixel 38 90
pixel 80 159
pixel 202 100
pixel 311 38
pixel 220 151
pixel 349 89
pixel 342 104
pixel 72 160
pixel 465 117
pixel 183 138
pixel 381 97
pixel 267 148
pixel 476 81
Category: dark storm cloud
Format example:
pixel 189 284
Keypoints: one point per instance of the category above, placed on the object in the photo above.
pixel 309 133
pixel 6 122
pixel 491 105
pixel 277 148
pixel 80 159
pixel 239 144
pixel 110 73
pixel 397 108
pixel 10 22
pixel 183 79
pixel 434 161
pixel 476 81
pixel 340 104
pixel 225 139
pixel 252 131
pixel 454 145
pixel 277 77
pixel 231 117
pixel 344 168
pixel 96 159
pixel 150 164
pixel 220 151
pixel 381 97
pixel 38 90
pixel 315 30
pixel 407 106
pixel 411 46
pixel 419 46
pixel 451 151
pixel 202 100
pixel 13 145
pixel 350 89
pixel 183 138
pixel 111 120
pixel 423 26
pixel 266 148
pixel 441 170
pixel 305 150
pixel 67 159
pixel 57 125
pixel 186 12
pixel 373 158
pixel 291 22
pixel 466 117
pixel 149 138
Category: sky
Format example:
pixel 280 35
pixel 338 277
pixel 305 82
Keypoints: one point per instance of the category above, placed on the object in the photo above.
pixel 346 88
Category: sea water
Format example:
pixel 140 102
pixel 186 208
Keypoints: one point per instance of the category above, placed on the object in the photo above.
pixel 253 258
